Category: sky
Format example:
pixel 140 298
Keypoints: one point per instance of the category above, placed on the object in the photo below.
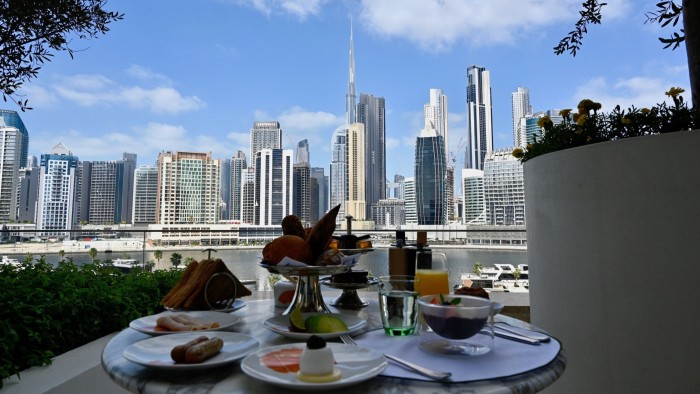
pixel 183 75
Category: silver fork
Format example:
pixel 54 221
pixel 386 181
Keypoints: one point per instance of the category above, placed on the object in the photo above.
pixel 437 375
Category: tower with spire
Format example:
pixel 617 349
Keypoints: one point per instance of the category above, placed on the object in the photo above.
pixel 351 96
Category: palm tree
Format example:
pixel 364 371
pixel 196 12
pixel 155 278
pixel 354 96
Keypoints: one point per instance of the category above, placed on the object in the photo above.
pixel 516 275
pixel 478 268
pixel 158 254
pixel 188 260
pixel 92 252
pixel 175 258
pixel 61 253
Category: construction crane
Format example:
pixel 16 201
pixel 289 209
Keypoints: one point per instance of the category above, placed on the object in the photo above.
pixel 460 146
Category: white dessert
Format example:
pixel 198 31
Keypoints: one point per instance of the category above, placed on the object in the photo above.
pixel 316 364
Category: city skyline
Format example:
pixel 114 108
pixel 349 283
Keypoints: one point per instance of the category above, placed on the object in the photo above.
pixel 201 88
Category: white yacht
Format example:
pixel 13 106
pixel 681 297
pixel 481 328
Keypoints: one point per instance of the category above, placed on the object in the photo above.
pixel 8 261
pixel 125 265
pixel 500 277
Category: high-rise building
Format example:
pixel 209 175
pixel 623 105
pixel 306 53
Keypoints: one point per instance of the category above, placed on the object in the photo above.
pixel 450 191
pixel 479 117
pixel 521 107
pixel 302 183
pixel 225 189
pixel 145 195
pixel 435 112
pixel 339 171
pixel 318 173
pixel 473 195
pixel 12 119
pixel 188 188
pixel 265 135
pixel 27 193
pixel 431 176
pixel 57 188
pixel 239 166
pixel 273 186
pixel 356 205
pixel 351 95
pixel 504 189
pixel 395 189
pixel 10 153
pixel 371 113
pixel 532 130
pixel 106 190
pixel 248 196
pixel 389 213
pixel 410 198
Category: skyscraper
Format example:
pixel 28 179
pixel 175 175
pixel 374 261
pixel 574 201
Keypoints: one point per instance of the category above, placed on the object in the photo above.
pixel 318 173
pixel 473 191
pixel 504 189
pixel 273 186
pixel 188 188
pixel 350 96
pixel 225 189
pixel 145 195
pixel 238 167
pixel 356 205
pixel 479 117
pixel 339 171
pixel 435 112
pixel 431 175
pixel 10 153
pixel 265 135
pixel 107 190
pixel 302 183
pixel 521 109
pixel 371 113
pixel 27 193
pixel 12 119
pixel 410 198
pixel 57 187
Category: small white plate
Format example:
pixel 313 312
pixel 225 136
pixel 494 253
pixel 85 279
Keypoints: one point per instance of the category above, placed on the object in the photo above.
pixel 155 352
pixel 356 364
pixel 147 324
pixel 280 325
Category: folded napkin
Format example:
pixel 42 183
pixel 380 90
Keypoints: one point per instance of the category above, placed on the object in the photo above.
pixel 506 359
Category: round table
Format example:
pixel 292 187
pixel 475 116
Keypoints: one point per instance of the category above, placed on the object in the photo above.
pixel 230 379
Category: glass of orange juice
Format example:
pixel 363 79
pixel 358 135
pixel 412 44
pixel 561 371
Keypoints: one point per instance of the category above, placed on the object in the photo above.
pixel 434 280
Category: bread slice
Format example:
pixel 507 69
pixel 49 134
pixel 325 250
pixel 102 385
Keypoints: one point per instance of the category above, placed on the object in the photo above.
pixel 186 274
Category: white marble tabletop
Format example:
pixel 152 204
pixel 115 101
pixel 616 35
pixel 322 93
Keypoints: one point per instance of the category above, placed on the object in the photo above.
pixel 230 379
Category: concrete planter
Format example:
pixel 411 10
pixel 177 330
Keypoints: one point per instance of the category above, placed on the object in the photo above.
pixel 614 256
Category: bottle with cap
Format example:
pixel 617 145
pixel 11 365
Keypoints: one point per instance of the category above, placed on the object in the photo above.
pixel 424 256
pixel 401 257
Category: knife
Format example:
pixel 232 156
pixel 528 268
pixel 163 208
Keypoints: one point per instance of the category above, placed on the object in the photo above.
pixel 515 337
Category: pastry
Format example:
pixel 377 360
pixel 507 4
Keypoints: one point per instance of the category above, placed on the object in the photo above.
pixel 290 246
pixel 350 277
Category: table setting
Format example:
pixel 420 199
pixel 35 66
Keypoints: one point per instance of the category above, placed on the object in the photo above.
pixel 410 331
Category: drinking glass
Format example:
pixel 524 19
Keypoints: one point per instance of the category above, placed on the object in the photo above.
pixel 434 280
pixel 463 326
pixel 397 304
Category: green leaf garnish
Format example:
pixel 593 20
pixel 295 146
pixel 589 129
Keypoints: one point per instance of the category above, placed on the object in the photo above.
pixel 455 301
pixel 442 299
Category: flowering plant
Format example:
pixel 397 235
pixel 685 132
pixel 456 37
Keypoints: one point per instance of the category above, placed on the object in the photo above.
pixel 588 126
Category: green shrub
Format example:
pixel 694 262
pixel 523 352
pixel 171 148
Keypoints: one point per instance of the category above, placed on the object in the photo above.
pixel 46 311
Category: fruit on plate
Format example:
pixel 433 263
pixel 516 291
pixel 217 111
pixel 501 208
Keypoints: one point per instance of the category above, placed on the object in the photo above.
pixel 296 245
pixel 324 324
pixel 297 322
pixel 290 246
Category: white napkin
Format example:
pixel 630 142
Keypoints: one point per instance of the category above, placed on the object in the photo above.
pixel 345 260
pixel 506 359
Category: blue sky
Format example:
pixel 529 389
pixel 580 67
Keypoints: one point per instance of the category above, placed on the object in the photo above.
pixel 195 75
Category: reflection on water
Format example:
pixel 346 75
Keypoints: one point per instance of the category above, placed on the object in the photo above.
pixel 244 263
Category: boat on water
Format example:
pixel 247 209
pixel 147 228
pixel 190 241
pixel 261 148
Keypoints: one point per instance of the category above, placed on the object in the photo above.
pixel 8 261
pixel 500 277
pixel 125 265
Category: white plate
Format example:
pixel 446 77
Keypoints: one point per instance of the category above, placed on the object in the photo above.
pixel 147 324
pixel 356 364
pixel 280 325
pixel 155 352
pixel 237 304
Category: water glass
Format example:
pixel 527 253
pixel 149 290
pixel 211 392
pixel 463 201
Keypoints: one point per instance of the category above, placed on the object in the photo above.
pixel 397 304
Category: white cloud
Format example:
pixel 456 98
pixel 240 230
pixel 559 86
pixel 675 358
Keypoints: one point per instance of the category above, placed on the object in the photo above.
pixel 392 143
pixel 91 90
pixel 146 74
pixel 637 91
pixel 240 139
pixel 301 9
pixel 436 25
